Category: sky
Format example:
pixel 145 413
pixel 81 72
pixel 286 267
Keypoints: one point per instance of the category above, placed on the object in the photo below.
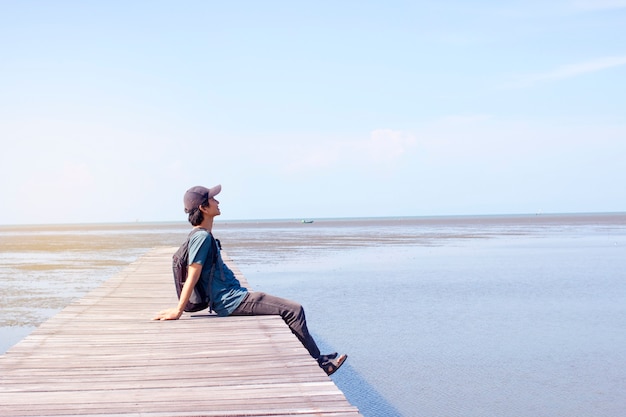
pixel 110 110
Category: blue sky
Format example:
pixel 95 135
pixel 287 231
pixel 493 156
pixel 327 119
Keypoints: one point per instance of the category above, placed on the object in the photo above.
pixel 110 110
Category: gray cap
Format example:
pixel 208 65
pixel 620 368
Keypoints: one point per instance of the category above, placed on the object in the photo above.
pixel 198 195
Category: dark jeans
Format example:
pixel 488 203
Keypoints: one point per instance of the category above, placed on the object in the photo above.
pixel 261 304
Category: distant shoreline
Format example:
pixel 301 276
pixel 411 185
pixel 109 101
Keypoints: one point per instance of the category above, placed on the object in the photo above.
pixel 141 224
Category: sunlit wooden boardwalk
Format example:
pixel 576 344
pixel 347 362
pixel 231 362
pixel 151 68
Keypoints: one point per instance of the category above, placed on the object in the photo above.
pixel 104 356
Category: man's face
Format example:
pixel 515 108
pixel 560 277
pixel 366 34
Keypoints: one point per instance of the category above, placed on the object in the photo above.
pixel 214 207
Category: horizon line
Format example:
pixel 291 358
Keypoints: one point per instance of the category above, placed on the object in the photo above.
pixel 300 219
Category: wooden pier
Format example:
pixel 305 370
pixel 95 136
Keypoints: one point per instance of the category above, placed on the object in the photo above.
pixel 104 356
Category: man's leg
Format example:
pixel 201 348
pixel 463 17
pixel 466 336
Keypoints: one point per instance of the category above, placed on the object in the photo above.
pixel 261 304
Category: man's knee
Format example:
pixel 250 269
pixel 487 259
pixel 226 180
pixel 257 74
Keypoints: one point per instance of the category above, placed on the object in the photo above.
pixel 293 311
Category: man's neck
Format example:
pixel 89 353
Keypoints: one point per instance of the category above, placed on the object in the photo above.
pixel 207 223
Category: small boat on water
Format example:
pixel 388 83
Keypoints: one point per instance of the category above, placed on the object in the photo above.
pixel 307 221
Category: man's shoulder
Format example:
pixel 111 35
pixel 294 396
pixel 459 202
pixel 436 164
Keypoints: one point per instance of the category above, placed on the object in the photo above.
pixel 199 234
pixel 198 237
pixel 200 246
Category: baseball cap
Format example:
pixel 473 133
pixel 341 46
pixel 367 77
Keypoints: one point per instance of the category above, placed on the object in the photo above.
pixel 198 195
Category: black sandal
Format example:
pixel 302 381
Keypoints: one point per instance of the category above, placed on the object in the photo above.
pixel 330 366
pixel 326 358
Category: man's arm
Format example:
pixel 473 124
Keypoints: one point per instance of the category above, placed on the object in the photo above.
pixel 174 313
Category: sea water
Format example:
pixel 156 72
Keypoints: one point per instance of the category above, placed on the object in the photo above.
pixel 443 316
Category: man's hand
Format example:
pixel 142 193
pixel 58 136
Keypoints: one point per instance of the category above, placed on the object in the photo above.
pixel 169 314
pixel 192 278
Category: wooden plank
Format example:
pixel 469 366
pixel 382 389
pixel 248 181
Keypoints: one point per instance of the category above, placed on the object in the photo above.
pixel 104 356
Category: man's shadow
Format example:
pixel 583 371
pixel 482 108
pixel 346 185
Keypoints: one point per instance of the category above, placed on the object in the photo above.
pixel 359 392
pixel 356 389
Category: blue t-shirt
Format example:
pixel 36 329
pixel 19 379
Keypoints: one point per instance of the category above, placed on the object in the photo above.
pixel 226 291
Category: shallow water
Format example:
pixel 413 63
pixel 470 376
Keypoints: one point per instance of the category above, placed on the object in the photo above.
pixel 465 316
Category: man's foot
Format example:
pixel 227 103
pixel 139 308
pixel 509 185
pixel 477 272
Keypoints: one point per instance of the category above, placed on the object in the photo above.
pixel 330 366
pixel 326 358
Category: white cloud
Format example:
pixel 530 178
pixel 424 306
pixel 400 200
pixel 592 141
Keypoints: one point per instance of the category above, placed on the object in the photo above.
pixel 457 119
pixel 599 4
pixel 56 192
pixel 68 179
pixel 387 145
pixel 382 147
pixel 316 157
pixel 571 71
